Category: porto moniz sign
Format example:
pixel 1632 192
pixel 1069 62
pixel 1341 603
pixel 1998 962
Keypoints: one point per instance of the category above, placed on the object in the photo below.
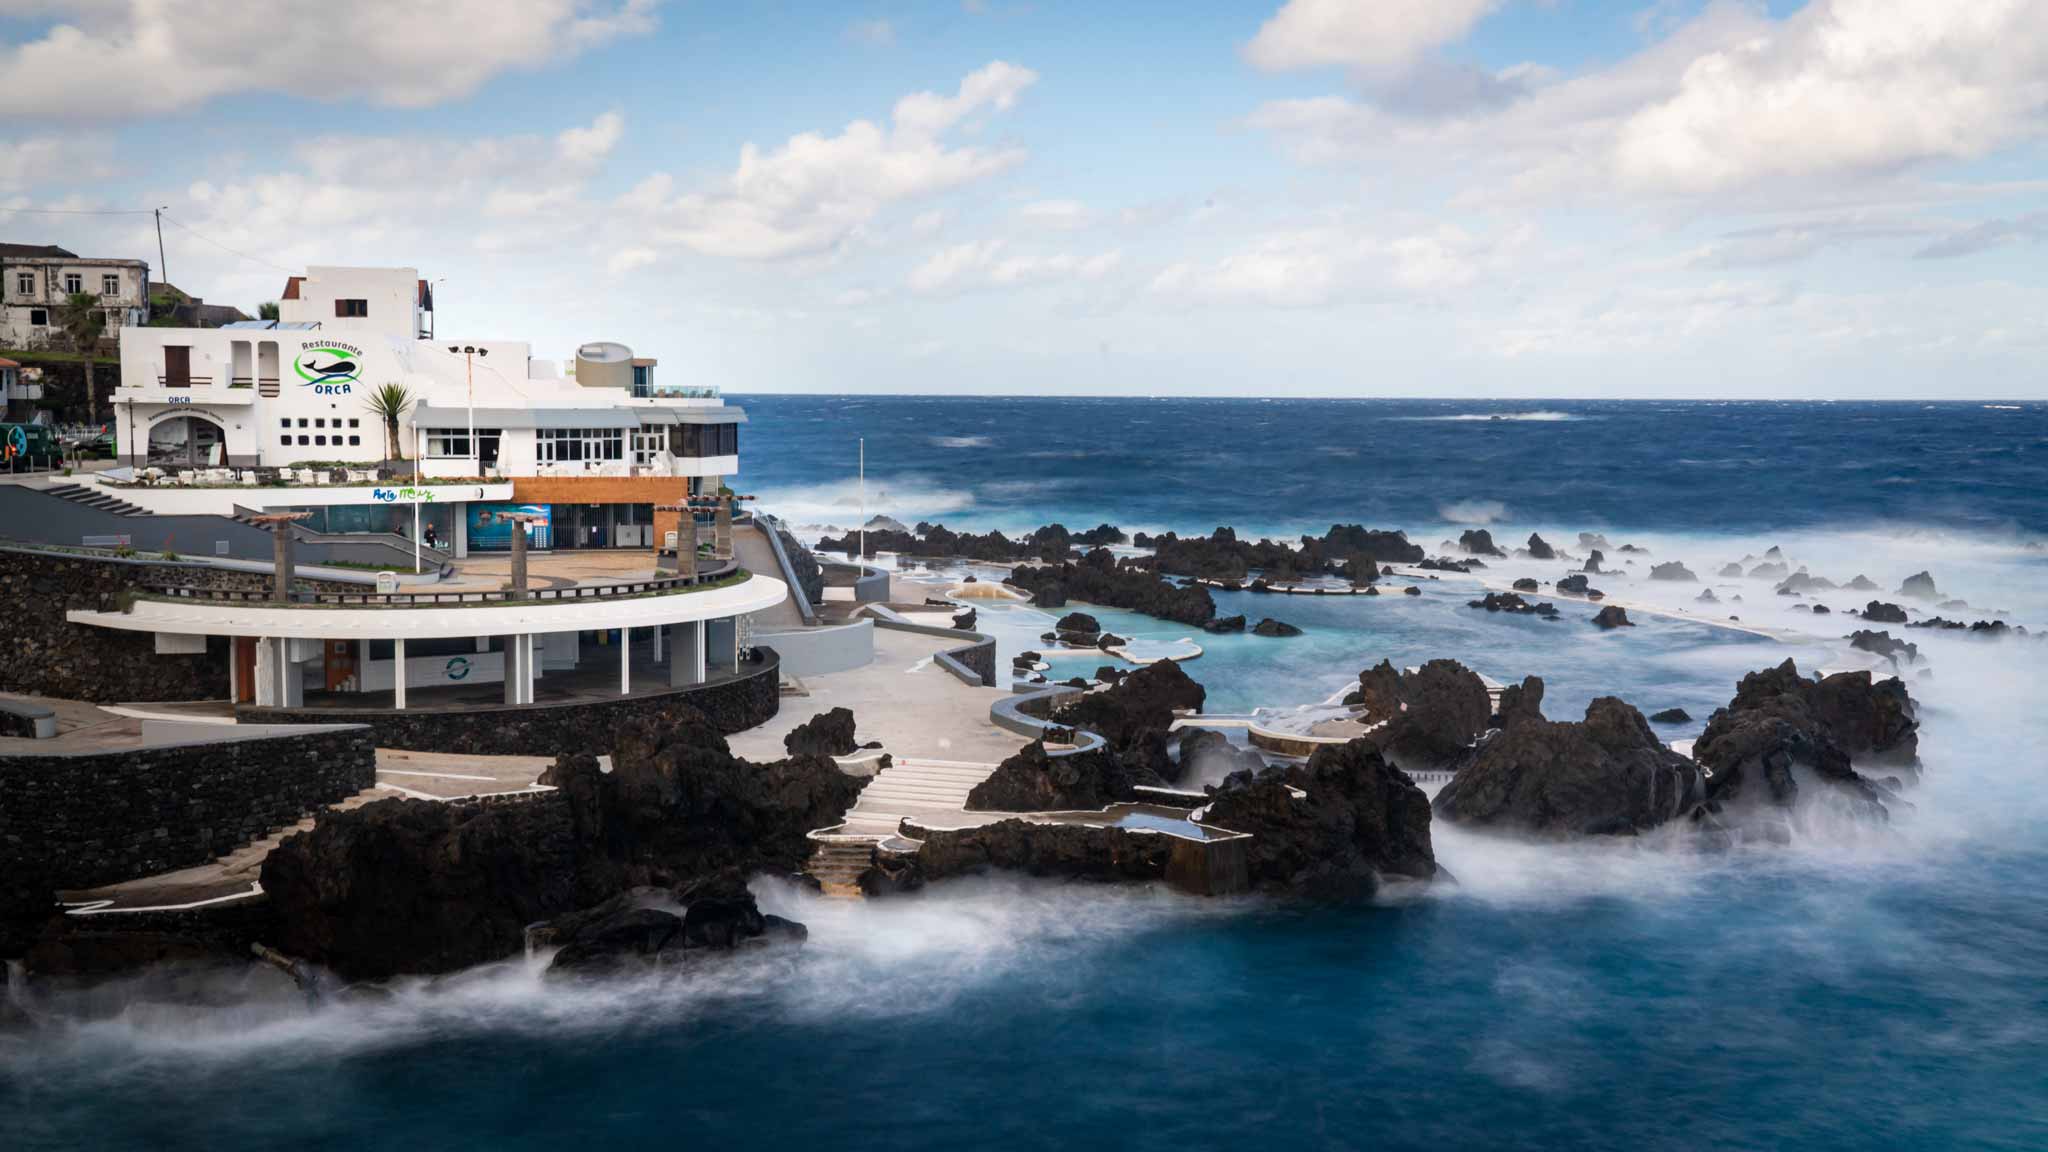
pixel 329 367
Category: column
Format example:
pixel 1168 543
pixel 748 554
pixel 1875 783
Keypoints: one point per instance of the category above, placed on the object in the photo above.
pixel 686 655
pixel 461 531
pixel 398 672
pixel 235 671
pixel 625 661
pixel 722 644
pixel 657 642
pixel 532 664
pixel 515 668
pixel 281 561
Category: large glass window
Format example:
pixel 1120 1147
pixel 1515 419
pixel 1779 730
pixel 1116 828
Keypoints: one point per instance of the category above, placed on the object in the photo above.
pixel 570 445
pixel 700 440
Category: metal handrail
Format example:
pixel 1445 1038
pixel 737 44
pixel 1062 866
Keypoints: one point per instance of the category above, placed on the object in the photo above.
pixel 616 590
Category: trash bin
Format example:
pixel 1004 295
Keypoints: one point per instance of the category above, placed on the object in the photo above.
pixel 387 581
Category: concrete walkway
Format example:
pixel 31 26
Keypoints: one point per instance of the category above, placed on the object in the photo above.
pixel 904 699
pixel 750 548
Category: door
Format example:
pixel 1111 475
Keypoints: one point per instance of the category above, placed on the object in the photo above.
pixel 177 366
pixel 245 669
pixel 341 665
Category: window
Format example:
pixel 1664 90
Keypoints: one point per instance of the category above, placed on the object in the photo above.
pixel 648 442
pixel 302 421
pixel 643 380
pixel 73 282
pixel 39 317
pixel 110 285
pixel 320 440
pixel 355 441
pixel 319 421
pixel 302 440
pixel 351 307
pixel 177 366
pixel 354 423
pixel 448 443
pixel 25 283
pixel 700 440
pixel 568 445
pixel 287 422
pixel 285 440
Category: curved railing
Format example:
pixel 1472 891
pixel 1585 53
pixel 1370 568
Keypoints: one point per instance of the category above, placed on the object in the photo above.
pixel 613 591
pixel 1008 714
pixel 772 529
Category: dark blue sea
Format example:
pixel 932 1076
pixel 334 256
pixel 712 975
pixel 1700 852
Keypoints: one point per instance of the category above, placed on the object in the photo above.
pixel 1860 988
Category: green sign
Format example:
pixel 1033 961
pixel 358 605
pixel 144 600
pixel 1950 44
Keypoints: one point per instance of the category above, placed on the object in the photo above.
pixel 329 367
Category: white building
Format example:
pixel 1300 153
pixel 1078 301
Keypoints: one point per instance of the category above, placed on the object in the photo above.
pixel 37 279
pixel 596 447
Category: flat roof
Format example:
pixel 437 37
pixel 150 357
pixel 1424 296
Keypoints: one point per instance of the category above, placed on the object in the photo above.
pixel 374 622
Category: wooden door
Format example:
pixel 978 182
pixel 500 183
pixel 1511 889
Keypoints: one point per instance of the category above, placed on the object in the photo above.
pixel 341 664
pixel 245 669
pixel 177 366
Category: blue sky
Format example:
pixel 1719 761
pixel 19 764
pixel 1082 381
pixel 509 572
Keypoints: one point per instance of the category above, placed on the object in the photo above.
pixel 1316 197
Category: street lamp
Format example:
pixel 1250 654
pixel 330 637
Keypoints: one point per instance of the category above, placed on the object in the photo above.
pixel 476 462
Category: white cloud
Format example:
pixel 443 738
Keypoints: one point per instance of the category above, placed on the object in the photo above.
pixel 150 57
pixel 592 144
pixel 1294 270
pixel 54 161
pixel 814 191
pixel 1732 103
pixel 1375 39
pixel 1059 215
pixel 993 264
pixel 1846 87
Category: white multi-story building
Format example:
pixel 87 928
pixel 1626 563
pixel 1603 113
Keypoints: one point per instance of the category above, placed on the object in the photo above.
pixel 37 279
pixel 595 447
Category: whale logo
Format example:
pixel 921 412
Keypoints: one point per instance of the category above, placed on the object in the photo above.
pixel 328 368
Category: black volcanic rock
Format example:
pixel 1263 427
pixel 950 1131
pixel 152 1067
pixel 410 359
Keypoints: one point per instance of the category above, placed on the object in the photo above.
pixel 1359 819
pixel 422 886
pixel 1272 627
pixel 1594 540
pixel 1078 622
pixel 1593 562
pixel 1671 716
pixel 1672 570
pixel 1034 781
pixel 1612 617
pixel 1781 726
pixel 1478 542
pixel 1512 603
pixel 1223 624
pixel 1098 578
pixel 1879 612
pixel 1882 644
pixel 1204 752
pixel 1527 584
pixel 1519 702
pixel 1861 583
pixel 1431 714
pixel 1919 586
pixel 1540 549
pixel 1410 590
pixel 1069 851
pixel 1731 571
pixel 826 734
pixel 1575 584
pixel 1606 775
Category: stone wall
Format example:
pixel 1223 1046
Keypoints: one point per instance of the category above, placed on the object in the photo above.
pixel 98 818
pixel 42 654
pixel 549 729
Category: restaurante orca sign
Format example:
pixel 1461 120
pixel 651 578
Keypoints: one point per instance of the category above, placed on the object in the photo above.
pixel 329 367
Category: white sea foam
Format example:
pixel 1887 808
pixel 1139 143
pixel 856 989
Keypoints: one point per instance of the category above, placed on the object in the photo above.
pixel 1541 416
pixel 1473 512
pixel 909 497
pixel 962 441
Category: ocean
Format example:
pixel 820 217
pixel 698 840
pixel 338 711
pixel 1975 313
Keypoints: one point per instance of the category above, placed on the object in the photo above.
pixel 1861 988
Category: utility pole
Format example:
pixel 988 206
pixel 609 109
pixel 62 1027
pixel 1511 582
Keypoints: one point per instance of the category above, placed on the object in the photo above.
pixel 862 558
pixel 161 264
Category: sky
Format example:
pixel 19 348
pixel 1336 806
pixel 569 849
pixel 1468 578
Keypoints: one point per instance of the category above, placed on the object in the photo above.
pixel 1457 198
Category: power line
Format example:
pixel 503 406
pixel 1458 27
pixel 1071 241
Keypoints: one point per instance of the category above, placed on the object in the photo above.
pixel 233 251
pixel 82 211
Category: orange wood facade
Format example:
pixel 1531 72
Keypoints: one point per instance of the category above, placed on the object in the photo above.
pixel 611 490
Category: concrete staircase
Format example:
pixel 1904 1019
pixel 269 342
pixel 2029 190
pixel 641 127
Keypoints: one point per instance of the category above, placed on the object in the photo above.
pixel 93 496
pixel 837 866
pixel 930 789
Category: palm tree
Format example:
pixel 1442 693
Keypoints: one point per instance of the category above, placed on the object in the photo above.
pixel 82 319
pixel 267 310
pixel 389 402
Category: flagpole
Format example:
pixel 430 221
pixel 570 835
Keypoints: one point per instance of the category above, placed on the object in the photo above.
pixel 863 500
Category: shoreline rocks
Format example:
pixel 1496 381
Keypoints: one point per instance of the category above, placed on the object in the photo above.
pixel 1608 774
